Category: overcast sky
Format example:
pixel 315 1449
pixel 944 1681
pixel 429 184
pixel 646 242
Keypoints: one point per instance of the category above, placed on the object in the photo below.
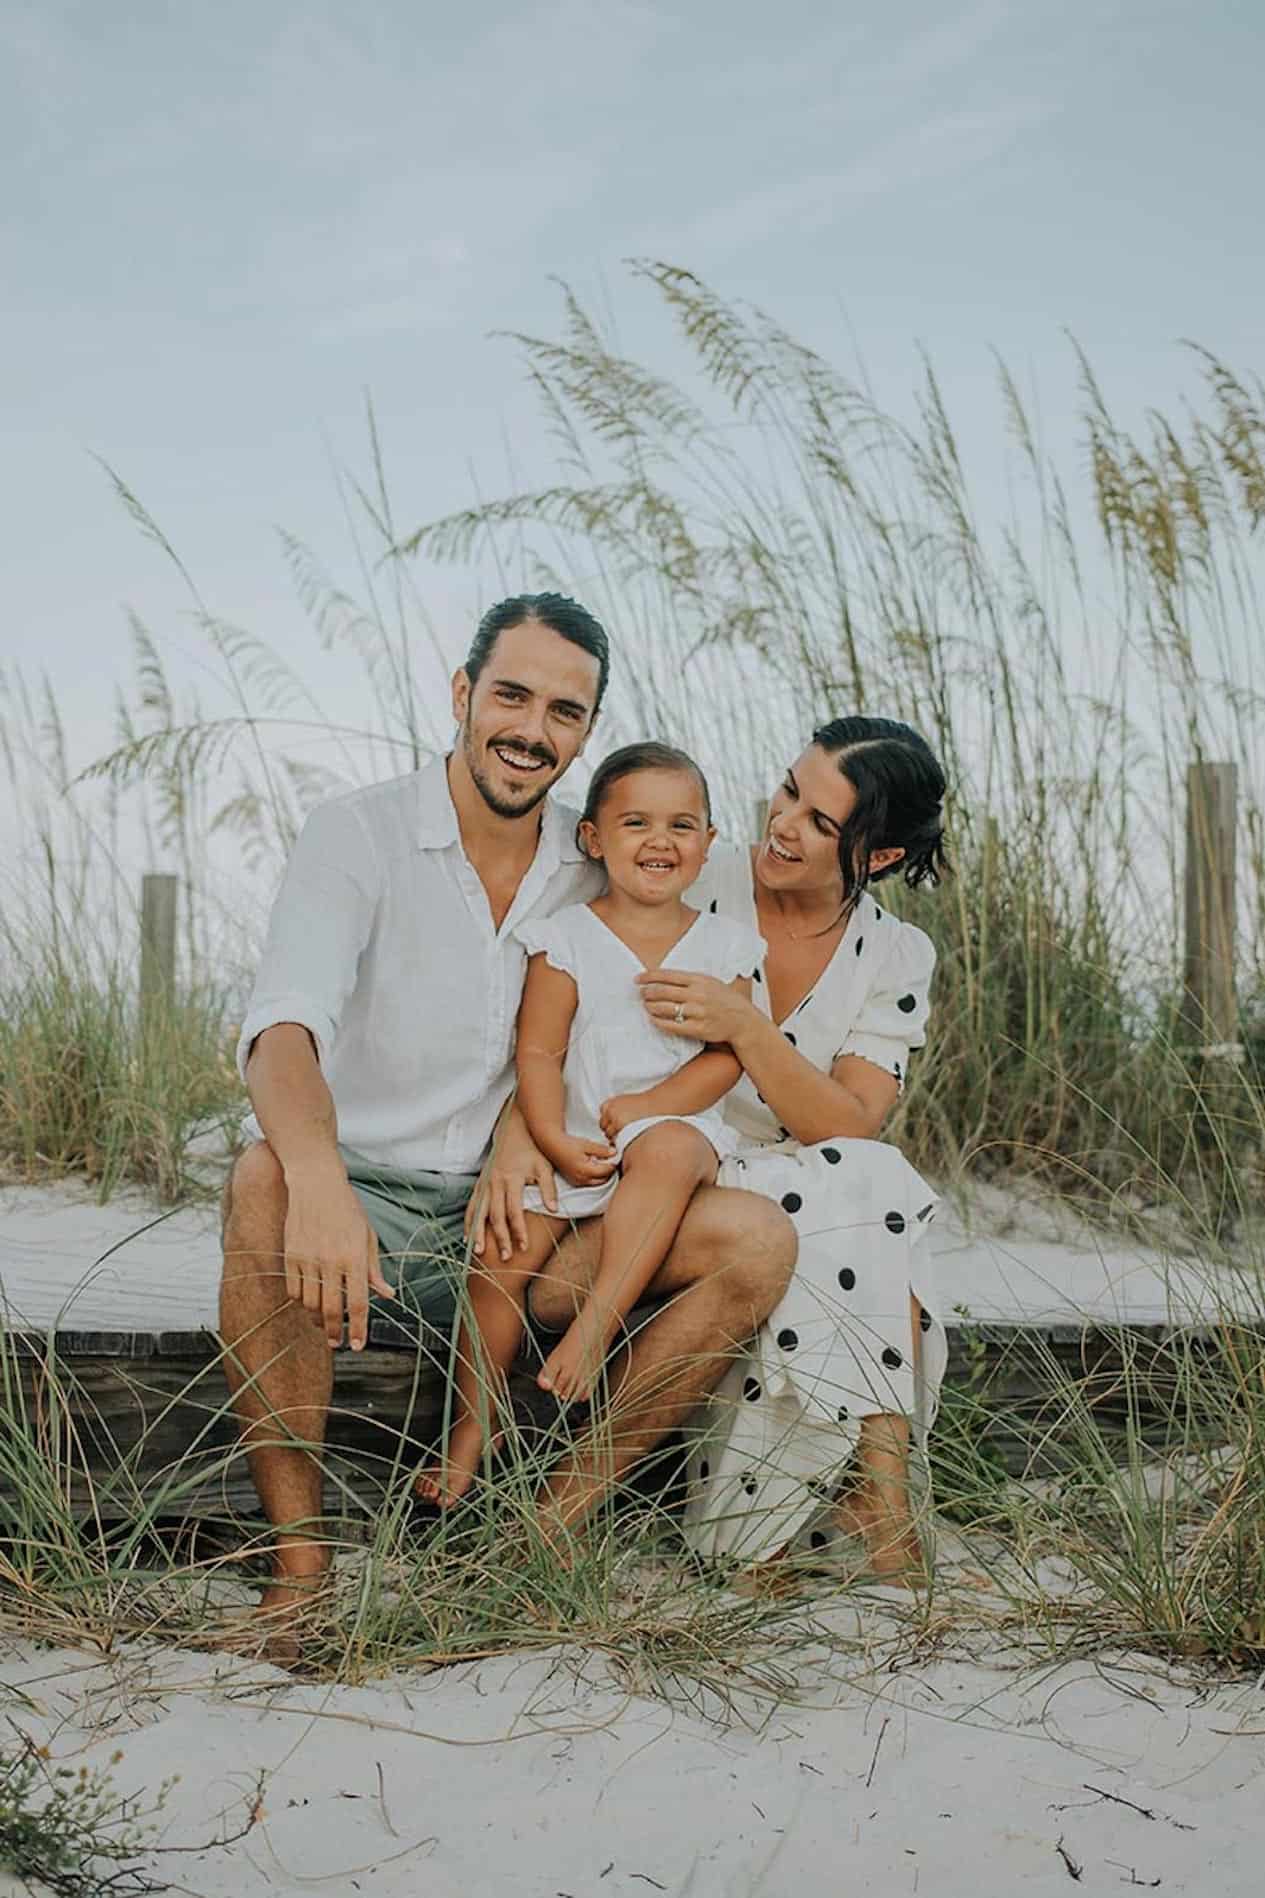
pixel 222 223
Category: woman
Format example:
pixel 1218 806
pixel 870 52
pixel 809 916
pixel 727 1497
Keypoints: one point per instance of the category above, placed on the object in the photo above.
pixel 850 1362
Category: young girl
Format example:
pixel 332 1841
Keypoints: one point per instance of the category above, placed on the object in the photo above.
pixel 624 1112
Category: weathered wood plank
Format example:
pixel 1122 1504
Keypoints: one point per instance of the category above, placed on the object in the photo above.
pixel 117 1430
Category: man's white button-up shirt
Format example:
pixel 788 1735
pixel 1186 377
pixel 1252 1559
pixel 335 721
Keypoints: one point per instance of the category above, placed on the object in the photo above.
pixel 381 944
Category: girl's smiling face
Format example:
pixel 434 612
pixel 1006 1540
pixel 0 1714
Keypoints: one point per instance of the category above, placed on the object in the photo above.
pixel 652 833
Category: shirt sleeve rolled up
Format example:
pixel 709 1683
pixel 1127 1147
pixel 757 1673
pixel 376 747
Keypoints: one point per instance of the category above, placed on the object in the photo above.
pixel 321 920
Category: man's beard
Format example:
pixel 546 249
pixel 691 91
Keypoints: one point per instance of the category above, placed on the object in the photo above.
pixel 498 805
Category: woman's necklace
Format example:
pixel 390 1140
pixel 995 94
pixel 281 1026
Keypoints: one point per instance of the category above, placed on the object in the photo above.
pixel 835 926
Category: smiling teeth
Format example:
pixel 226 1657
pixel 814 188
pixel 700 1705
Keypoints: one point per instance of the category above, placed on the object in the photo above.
pixel 518 758
pixel 777 851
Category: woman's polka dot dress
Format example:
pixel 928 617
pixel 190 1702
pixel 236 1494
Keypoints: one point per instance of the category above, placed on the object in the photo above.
pixel 769 1447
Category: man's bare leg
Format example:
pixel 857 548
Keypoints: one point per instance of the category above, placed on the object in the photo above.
pixel 272 1340
pixel 728 1267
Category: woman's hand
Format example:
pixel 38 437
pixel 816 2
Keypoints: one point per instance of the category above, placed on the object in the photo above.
pixel 496 1203
pixel 699 1006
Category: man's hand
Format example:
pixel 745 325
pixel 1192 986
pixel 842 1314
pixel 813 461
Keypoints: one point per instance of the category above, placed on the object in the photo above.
pixel 331 1257
pixel 496 1205
pixel 621 1110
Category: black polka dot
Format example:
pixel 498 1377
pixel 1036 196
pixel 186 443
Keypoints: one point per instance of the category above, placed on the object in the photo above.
pixel 758 977
pixel 895 1222
pixel 790 1037
pixel 791 1202
pixel 924 1320
pixel 892 1359
pixel 788 1339
pixel 907 1004
pixel 847 1277
pixel 927 1210
pixel 752 1389
pixel 750 1485
pixel 712 906
pixel 831 1155
pixel 860 944
pixel 896 1070
pixel 704 1471
pixel 878 912
pixel 842 1413
pixel 783 1133
pixel 818 1539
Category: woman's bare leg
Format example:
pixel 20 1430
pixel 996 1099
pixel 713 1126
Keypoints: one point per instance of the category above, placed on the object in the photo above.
pixel 662 1170
pixel 877 1505
pixel 487 1345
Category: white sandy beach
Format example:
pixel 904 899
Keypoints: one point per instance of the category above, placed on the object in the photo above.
pixel 545 1777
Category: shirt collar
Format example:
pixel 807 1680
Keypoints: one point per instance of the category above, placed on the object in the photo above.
pixel 437 818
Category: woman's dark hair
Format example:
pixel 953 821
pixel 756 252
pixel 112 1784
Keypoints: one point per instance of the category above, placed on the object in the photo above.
pixel 900 789
pixel 650 755
pixel 554 610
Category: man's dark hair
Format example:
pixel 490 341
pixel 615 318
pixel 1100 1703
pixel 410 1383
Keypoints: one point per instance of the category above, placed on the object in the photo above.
pixel 563 616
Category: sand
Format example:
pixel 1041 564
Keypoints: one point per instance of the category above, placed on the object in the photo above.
pixel 548 1777
pixel 544 1777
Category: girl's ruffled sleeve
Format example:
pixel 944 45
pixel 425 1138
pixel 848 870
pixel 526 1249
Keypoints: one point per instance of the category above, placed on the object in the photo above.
pixel 551 937
pixel 893 1018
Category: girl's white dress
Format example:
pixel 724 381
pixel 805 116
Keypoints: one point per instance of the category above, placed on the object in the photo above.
pixel 769 1447
pixel 615 1047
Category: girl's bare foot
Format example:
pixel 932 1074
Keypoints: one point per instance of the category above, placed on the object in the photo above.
pixel 446 1482
pixel 574 1365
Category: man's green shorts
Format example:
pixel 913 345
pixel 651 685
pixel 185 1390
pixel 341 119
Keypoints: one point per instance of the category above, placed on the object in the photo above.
pixel 420 1222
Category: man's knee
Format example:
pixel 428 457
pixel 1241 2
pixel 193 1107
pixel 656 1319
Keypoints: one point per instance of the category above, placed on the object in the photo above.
pixel 254 1210
pixel 751 1244
pixel 256 1183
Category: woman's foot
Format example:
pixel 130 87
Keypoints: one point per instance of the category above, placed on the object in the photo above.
pixel 444 1483
pixel 893 1550
pixel 574 1365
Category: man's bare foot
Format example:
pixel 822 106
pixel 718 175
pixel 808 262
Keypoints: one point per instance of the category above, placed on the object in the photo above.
pixel 446 1482
pixel 574 1365
pixel 274 1628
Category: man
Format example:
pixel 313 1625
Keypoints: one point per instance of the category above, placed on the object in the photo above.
pixel 378 1054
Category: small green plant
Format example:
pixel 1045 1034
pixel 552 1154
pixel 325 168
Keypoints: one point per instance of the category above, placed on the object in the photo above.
pixel 70 1827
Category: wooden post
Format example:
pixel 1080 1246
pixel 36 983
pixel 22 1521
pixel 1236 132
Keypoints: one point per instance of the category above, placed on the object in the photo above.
pixel 158 941
pixel 761 817
pixel 1211 1010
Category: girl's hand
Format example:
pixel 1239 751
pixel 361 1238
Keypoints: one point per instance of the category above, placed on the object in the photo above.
pixel 583 1162
pixel 699 1006
pixel 620 1111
